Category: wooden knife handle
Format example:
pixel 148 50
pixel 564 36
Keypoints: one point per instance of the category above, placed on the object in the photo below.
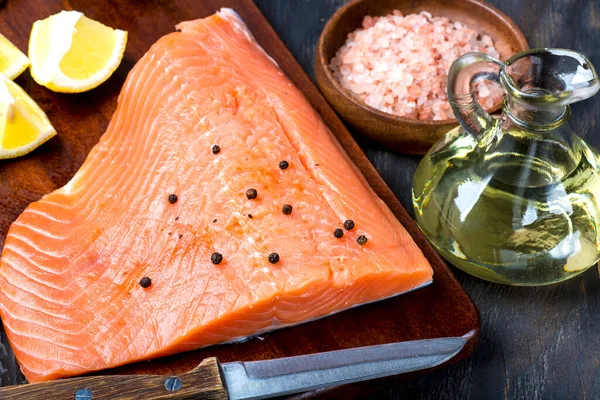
pixel 203 382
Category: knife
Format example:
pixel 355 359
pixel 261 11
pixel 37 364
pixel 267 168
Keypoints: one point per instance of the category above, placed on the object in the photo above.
pixel 252 380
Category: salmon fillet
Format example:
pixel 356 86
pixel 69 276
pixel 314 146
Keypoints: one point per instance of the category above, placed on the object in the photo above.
pixel 70 293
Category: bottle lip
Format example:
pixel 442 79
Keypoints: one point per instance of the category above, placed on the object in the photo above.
pixel 584 90
pixel 561 119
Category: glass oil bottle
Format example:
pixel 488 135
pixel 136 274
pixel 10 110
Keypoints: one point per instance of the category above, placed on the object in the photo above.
pixel 514 200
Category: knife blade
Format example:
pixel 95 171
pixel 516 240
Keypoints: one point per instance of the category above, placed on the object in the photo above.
pixel 255 379
pixel 269 378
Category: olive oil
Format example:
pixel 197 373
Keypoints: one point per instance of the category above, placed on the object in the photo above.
pixel 521 211
pixel 514 200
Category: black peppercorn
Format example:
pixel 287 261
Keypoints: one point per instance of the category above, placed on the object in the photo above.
pixel 349 224
pixel 216 149
pixel 286 209
pixel 251 194
pixel 362 239
pixel 273 258
pixel 250 216
pixel 284 164
pixel 338 233
pixel 172 198
pixel 216 258
pixel 145 282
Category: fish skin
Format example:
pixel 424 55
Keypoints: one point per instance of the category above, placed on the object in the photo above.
pixel 70 297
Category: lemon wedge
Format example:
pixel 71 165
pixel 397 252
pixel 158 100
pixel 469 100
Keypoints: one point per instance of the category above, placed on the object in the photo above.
pixel 71 53
pixel 12 61
pixel 23 124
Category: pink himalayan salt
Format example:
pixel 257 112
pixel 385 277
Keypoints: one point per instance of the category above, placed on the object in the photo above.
pixel 398 64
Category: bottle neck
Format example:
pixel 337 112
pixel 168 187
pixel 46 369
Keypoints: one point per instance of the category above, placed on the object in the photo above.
pixel 535 118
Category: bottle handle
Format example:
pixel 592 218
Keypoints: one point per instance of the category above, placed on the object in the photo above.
pixel 462 76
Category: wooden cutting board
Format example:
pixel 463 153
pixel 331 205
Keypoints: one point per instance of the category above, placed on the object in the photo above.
pixel 442 309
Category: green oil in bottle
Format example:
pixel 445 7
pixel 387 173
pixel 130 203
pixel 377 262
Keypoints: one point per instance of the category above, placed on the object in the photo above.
pixel 511 207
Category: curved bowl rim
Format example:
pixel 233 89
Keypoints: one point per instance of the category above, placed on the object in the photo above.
pixel 391 118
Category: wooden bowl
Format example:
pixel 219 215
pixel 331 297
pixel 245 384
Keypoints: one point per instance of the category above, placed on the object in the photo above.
pixel 398 133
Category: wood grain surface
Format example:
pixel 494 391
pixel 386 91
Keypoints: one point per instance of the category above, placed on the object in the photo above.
pixel 442 309
pixel 535 343
pixel 202 383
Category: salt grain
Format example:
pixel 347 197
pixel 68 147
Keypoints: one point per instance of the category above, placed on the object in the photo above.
pixel 398 64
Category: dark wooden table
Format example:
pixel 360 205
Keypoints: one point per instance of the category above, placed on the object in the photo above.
pixel 536 343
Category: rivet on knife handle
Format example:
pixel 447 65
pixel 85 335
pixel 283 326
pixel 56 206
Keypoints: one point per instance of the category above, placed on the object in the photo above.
pixel 202 383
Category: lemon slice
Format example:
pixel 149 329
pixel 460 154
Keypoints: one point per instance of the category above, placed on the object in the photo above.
pixel 23 124
pixel 12 61
pixel 70 53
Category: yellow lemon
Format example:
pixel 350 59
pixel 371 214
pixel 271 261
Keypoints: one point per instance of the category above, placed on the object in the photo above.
pixel 71 53
pixel 12 61
pixel 23 124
